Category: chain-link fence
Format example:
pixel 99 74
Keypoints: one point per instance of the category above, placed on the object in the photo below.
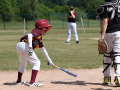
pixel 57 20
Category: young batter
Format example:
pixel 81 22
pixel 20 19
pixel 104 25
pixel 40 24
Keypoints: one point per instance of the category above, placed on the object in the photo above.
pixel 25 47
pixel 72 25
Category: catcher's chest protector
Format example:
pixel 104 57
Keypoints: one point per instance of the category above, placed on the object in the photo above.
pixel 113 9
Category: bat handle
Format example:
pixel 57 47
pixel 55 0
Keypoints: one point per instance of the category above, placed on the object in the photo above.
pixel 56 66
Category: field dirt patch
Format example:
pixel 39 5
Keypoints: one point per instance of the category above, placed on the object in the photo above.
pixel 95 38
pixel 87 79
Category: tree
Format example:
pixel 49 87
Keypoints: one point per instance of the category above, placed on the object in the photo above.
pixel 15 6
pixel 28 7
pixel 72 3
pixel 49 4
pixel 65 9
pixel 82 4
pixel 5 8
pixel 57 9
pixel 44 11
pixel 92 5
pixel 91 8
pixel 40 1
pixel 59 2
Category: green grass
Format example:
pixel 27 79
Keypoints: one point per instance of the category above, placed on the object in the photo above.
pixel 77 56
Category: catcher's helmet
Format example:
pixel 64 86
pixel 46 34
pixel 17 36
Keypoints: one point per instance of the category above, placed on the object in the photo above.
pixel 42 24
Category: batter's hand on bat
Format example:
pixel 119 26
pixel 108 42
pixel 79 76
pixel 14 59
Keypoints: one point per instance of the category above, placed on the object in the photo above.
pixel 50 63
pixel 30 51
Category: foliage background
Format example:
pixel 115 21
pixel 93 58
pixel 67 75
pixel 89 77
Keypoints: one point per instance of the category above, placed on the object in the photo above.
pixel 31 7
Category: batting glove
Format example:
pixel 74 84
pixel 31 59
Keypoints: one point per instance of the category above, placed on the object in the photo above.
pixel 30 51
pixel 50 63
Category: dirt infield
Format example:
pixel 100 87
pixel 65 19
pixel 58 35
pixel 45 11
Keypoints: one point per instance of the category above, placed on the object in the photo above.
pixel 87 79
pixel 95 38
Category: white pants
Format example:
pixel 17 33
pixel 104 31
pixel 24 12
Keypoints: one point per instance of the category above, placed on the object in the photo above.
pixel 72 26
pixel 113 41
pixel 22 50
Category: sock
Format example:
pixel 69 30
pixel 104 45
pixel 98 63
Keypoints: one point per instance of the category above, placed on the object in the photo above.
pixel 19 77
pixel 33 76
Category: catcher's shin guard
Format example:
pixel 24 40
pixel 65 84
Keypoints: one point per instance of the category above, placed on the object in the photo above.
pixel 108 64
pixel 107 80
pixel 111 55
pixel 117 81
pixel 108 56
pixel 114 57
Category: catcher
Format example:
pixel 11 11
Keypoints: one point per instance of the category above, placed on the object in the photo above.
pixel 25 47
pixel 109 14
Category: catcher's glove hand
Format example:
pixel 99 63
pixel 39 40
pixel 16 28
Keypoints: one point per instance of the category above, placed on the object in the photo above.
pixel 102 46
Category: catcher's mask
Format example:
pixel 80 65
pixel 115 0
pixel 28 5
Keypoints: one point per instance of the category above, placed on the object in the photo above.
pixel 42 24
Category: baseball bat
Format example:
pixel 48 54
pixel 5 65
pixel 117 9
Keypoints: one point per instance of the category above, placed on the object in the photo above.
pixel 68 72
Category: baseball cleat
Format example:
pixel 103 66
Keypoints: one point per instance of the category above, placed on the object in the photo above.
pixel 35 84
pixel 77 42
pixel 117 81
pixel 107 80
pixel 20 83
pixel 67 42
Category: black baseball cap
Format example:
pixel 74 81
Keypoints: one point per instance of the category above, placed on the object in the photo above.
pixel 71 8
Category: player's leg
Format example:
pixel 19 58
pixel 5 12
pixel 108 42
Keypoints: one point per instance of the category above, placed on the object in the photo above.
pixel 22 58
pixel 116 50
pixel 74 26
pixel 69 33
pixel 36 67
pixel 107 59
pixel 23 62
pixel 22 67
pixel 107 69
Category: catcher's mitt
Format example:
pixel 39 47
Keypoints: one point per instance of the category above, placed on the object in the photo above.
pixel 102 46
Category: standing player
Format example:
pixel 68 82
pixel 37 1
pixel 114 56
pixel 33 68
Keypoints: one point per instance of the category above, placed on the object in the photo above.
pixel 32 40
pixel 72 25
pixel 109 15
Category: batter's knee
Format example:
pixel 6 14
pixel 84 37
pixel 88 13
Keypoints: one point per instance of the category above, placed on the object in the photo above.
pixel 36 65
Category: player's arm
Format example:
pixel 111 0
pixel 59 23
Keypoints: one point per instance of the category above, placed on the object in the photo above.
pixel 30 49
pixel 103 27
pixel 103 18
pixel 47 56
pixel 72 13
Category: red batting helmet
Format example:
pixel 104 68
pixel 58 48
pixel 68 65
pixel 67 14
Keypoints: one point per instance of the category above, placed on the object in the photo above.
pixel 42 24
